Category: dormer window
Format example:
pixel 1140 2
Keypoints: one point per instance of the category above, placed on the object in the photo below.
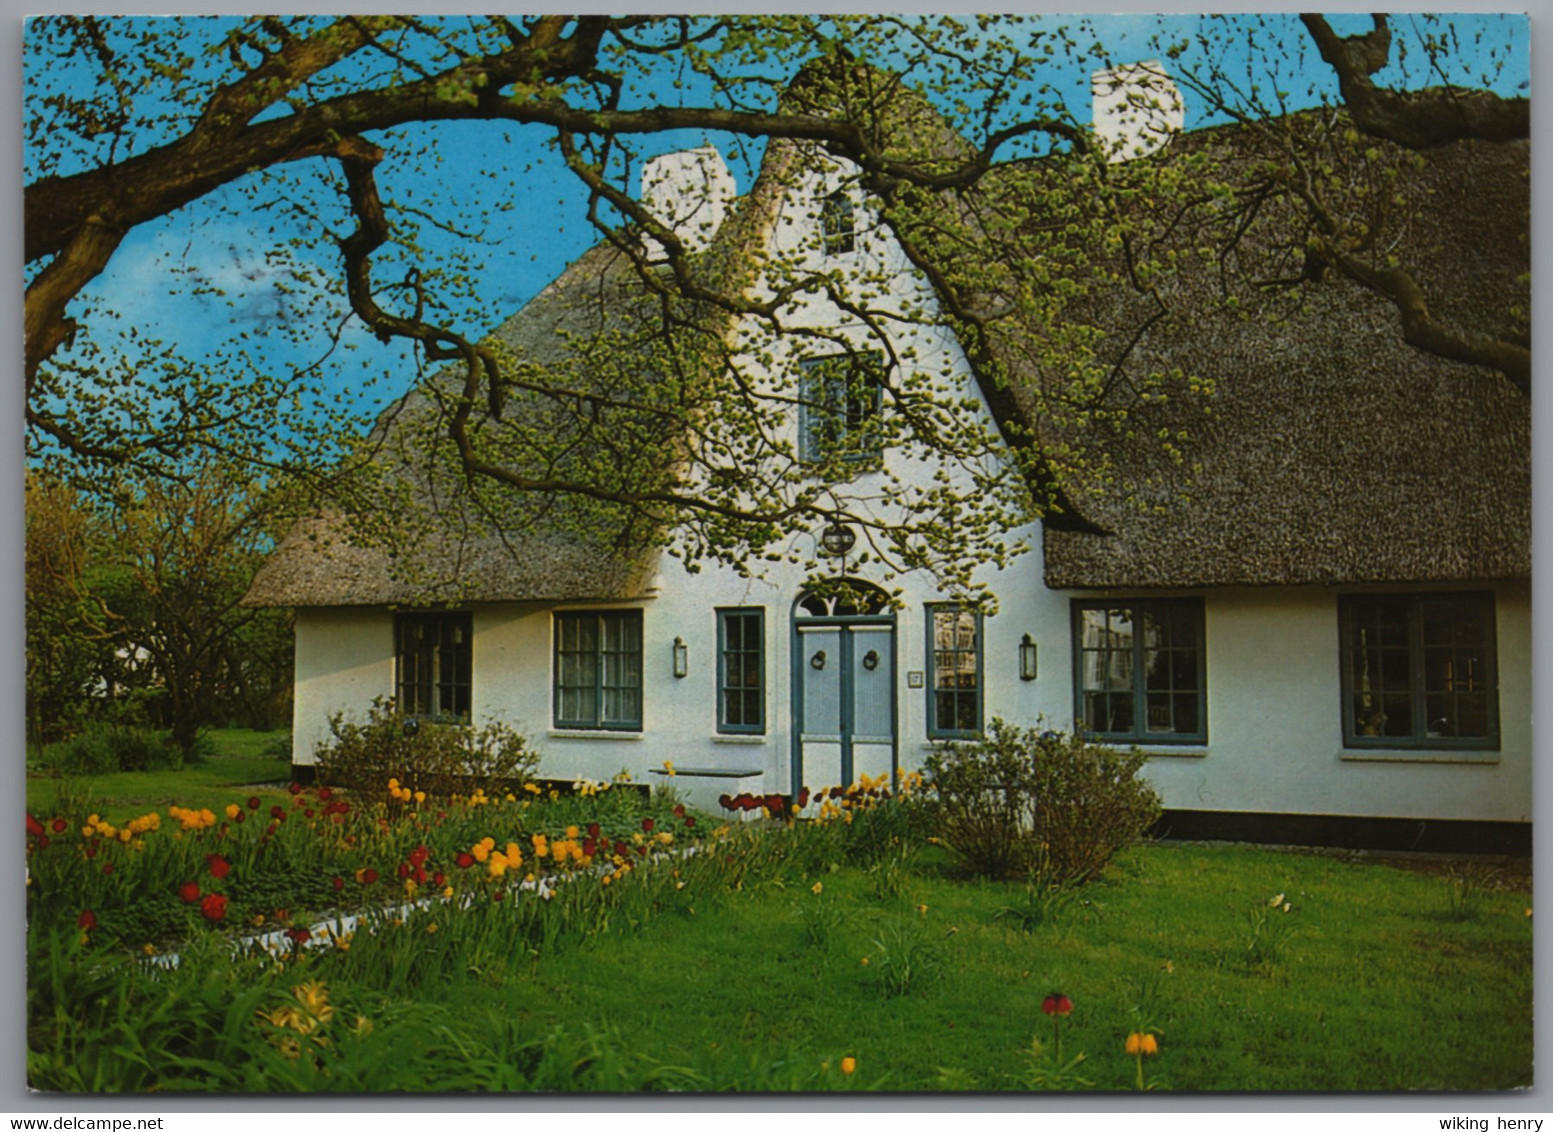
pixel 838 223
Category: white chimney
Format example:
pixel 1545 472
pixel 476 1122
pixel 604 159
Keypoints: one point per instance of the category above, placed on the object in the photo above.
pixel 688 192
pixel 1138 108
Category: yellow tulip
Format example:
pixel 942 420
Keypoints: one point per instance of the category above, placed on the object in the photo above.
pixel 848 1065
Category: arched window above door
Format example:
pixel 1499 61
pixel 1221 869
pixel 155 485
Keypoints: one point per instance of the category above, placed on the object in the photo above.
pixel 843 597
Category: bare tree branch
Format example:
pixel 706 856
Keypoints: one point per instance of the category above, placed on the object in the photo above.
pixel 1415 119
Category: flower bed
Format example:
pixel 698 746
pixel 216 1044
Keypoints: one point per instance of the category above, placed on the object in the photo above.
pixel 152 883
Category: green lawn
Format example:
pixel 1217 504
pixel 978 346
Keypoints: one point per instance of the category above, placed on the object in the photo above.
pixel 1375 987
pixel 240 760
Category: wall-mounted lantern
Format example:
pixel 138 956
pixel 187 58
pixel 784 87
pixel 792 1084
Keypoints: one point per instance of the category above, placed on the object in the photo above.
pixel 1027 667
pixel 817 661
pixel 681 657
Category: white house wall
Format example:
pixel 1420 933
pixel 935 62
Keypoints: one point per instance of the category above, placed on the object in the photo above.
pixel 1275 736
pixel 344 659
pixel 1275 741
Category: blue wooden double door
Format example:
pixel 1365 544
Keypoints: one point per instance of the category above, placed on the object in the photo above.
pixel 844 700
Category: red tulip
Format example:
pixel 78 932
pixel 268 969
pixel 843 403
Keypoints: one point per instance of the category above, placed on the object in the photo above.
pixel 690 823
pixel 213 907
pixel 34 826
pixel 253 802
pixel 219 866
pixel 324 793
pixel 679 811
pixel 593 830
pixel 43 841
pixel 295 787
pixel 60 825
pixel 647 825
pixel 437 879
pixel 87 920
pixel 242 816
pixel 277 813
pixel 1057 1004
pixel 463 860
pixel 369 876
pixel 339 883
pixel 190 892
pixel 298 935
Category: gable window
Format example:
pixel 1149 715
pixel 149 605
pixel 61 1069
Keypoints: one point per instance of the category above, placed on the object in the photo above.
pixel 433 656
pixel 598 670
pixel 1141 674
pixel 838 223
pixel 741 671
pixel 1418 670
pixel 839 397
pixel 954 672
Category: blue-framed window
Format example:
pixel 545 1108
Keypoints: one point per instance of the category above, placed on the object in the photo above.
pixel 1419 671
pixel 741 671
pixel 1140 670
pixel 434 664
pixel 598 670
pixel 838 223
pixel 839 399
pixel 954 683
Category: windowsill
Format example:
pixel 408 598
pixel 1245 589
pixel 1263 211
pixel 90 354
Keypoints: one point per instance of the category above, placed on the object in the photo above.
pixel 741 740
pixel 584 733
pixel 1417 755
pixel 1174 752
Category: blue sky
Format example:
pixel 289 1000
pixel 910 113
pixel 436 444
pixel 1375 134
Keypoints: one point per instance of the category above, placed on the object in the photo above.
pixel 223 279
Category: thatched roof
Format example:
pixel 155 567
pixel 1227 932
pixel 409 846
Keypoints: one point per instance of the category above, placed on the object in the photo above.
pixel 424 533
pixel 1331 453
pixel 1334 453
pixel 1285 432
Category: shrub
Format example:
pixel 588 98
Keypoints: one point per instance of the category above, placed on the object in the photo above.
pixel 102 748
pixel 1038 804
pixel 433 756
